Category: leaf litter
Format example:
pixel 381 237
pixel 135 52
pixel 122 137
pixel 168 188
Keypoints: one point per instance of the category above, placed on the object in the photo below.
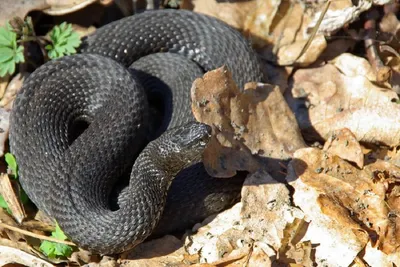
pixel 300 205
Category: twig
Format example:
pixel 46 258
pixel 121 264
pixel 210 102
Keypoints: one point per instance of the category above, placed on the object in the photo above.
pixel 42 237
pixel 382 72
pixel 314 31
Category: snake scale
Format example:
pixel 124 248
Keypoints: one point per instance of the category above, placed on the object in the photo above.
pixel 121 108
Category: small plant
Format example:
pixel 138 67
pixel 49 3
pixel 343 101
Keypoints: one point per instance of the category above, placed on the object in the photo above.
pixel 54 249
pixel 63 41
pixel 10 52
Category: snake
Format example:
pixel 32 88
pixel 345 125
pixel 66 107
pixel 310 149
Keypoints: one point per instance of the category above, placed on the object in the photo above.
pixel 105 140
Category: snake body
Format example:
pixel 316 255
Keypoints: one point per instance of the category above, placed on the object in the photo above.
pixel 80 122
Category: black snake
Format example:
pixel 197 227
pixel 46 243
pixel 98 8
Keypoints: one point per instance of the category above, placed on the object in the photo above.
pixel 80 121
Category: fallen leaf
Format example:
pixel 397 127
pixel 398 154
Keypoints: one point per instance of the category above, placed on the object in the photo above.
pixel 62 7
pixel 20 8
pixel 11 198
pixel 155 253
pixel 375 257
pixel 353 66
pixel 258 222
pixel 6 218
pixel 289 55
pixel 344 144
pixel 345 13
pixel 3 84
pixel 324 99
pixel 10 255
pixel 12 90
pixel 275 27
pixel 347 207
pixel 234 14
pixel 317 191
pixel 235 117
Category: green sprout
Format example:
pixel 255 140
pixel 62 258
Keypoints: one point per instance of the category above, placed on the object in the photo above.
pixel 64 41
pixel 56 250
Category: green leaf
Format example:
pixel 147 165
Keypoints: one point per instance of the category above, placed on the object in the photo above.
pixel 64 41
pixel 54 249
pixel 10 52
pixel 4 204
pixel 12 164
pixel 58 233
pixel 5 54
pixel 48 249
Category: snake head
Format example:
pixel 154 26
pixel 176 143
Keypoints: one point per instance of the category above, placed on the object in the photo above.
pixel 190 136
pixel 181 146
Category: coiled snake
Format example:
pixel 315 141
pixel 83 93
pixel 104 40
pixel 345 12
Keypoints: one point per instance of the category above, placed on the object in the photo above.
pixel 80 121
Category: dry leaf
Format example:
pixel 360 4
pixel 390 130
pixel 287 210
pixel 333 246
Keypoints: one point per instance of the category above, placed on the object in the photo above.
pixel 3 84
pixel 333 234
pixel 256 121
pixel 280 32
pixel 375 257
pixel 346 207
pixel 8 193
pixel 259 221
pixel 276 26
pixel 12 235
pixel 344 144
pixel 9 256
pixel 155 253
pixel 288 55
pixel 12 8
pixel 353 66
pixel 324 99
pixel 62 7
pixel 336 18
pixel 12 89
pixel 234 14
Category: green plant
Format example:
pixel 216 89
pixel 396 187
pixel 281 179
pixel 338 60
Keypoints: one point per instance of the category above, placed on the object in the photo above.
pixel 10 52
pixel 64 41
pixel 54 249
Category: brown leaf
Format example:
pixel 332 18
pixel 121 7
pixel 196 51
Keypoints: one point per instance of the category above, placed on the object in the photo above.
pixel 274 26
pixel 344 144
pixel 62 7
pixel 259 221
pixel 352 206
pixel 12 90
pixel 12 235
pixel 329 98
pixel 9 195
pixel 256 121
pixel 12 8
pixel 288 55
pixel 155 253
pixel 10 256
pixel 234 14
pixel 329 190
